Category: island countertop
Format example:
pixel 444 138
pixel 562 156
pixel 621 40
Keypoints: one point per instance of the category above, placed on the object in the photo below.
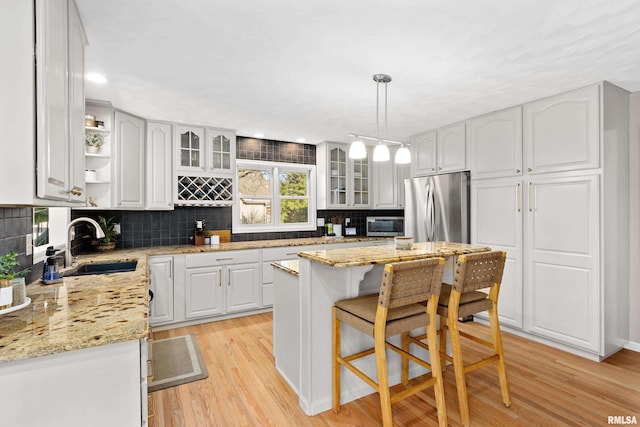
pixel 90 311
pixel 384 254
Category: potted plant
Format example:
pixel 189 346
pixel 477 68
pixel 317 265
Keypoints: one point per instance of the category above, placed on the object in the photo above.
pixel 108 242
pixel 93 142
pixel 9 277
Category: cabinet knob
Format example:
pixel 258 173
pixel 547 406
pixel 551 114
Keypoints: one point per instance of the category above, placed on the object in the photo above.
pixel 440 168
pixel 529 169
pixel 433 169
pixel 76 191
pixel 517 170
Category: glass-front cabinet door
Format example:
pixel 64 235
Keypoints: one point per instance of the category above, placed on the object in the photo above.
pixel 338 176
pixel 222 150
pixel 190 142
pixel 360 182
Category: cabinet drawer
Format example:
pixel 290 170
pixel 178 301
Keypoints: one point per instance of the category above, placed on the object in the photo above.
pixel 279 254
pixel 222 258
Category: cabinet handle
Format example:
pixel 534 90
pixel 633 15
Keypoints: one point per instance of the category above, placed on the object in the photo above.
pixel 170 270
pixel 529 199
pixel 440 168
pixel 518 197
pixel 76 191
pixel 224 259
pixel 517 170
pixel 529 170
pixel 433 169
pixel 149 370
pixel 292 253
pixel 220 280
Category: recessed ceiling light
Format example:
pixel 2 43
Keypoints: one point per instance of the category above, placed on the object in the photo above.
pixel 301 140
pixel 258 135
pixel 96 78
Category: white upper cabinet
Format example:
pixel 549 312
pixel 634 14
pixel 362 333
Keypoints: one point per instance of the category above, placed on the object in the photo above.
pixel 130 161
pixel 205 166
pixel 342 182
pixel 60 42
pixel 451 149
pixel 440 151
pixel 423 148
pixel 562 133
pixel 221 146
pixel 42 103
pixel 190 143
pixel 159 183
pixel 495 144
pixel 388 183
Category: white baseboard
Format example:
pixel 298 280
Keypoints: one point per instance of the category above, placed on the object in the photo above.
pixel 633 346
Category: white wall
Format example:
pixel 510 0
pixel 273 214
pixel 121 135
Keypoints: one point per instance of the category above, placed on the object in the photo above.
pixel 634 226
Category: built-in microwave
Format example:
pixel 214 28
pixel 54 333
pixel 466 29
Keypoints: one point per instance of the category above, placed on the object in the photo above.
pixel 385 226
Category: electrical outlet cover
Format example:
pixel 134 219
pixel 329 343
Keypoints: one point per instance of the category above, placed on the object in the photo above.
pixel 320 222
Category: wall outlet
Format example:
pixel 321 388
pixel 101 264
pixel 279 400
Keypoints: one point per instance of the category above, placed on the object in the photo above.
pixel 320 222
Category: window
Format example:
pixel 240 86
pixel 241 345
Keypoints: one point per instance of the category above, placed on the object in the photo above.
pixel 274 197
pixel 49 229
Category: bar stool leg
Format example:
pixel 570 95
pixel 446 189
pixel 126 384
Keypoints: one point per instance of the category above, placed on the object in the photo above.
pixel 458 365
pixel 434 360
pixel 443 341
pixel 497 346
pixel 405 361
pixel 383 377
pixel 335 365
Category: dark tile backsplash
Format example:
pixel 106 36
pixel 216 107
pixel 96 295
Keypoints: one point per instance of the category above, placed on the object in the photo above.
pixel 15 224
pixel 160 228
pixel 275 151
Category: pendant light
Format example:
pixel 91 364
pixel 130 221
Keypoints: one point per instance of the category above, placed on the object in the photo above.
pixel 357 150
pixel 403 156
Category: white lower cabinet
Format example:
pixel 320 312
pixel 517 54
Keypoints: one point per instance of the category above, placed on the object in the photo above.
pixel 204 293
pixel 243 287
pixel 161 284
pixel 496 222
pixel 100 387
pixel 562 285
pixel 218 283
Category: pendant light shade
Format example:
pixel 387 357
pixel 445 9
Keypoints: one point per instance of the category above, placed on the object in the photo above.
pixel 357 150
pixel 381 153
pixel 403 156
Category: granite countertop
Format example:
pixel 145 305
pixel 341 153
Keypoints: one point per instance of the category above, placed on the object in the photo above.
pixel 354 257
pixel 291 266
pixel 89 311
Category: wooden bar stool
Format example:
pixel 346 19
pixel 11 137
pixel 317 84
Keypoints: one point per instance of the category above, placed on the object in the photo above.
pixel 461 299
pixel 397 309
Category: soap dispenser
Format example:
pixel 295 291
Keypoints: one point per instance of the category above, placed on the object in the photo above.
pixel 50 272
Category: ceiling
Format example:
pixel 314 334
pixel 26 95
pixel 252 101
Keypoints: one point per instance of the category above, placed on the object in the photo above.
pixel 303 69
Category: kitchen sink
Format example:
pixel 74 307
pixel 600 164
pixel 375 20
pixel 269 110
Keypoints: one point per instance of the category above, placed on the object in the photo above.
pixel 102 268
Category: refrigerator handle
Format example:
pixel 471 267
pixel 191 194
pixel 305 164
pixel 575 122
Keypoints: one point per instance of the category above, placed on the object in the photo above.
pixel 430 210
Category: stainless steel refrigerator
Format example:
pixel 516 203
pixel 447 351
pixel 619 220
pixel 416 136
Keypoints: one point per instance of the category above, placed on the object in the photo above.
pixel 437 208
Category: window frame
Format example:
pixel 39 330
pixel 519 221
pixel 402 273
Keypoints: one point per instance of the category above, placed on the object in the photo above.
pixel 58 220
pixel 275 168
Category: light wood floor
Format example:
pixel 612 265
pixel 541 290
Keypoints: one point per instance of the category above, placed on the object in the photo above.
pixel 548 387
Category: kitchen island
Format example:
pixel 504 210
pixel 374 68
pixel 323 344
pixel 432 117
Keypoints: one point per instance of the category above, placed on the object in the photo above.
pixel 326 276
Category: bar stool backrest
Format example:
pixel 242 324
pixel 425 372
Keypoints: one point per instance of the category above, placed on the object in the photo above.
pixel 478 271
pixel 410 282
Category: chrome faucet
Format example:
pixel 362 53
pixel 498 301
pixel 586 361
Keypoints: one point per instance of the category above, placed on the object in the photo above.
pixel 68 258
